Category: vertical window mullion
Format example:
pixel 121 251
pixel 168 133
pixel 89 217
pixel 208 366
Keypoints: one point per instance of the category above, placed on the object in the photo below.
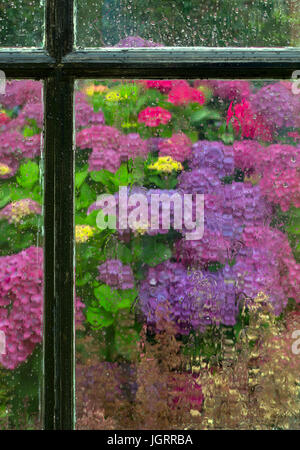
pixel 58 392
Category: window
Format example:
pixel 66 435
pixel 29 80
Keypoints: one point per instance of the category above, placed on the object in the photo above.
pixel 59 64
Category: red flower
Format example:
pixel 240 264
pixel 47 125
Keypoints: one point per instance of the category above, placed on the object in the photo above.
pixel 183 93
pixel 153 117
pixel 4 118
pixel 246 122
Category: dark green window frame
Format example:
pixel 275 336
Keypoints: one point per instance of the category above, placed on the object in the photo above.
pixel 58 65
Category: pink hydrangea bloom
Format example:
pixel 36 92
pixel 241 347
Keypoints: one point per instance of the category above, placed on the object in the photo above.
pixel 247 123
pixel 98 136
pixel 19 92
pixel 21 288
pixel 32 146
pixel 21 304
pixel 131 146
pixel 84 113
pixel 183 93
pixel 277 105
pixel 179 147
pixel 101 158
pixel 234 90
pixel 31 111
pixel 270 248
pixel 154 116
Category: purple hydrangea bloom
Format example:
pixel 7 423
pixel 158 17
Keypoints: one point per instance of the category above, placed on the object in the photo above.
pixel 136 42
pixel 187 299
pixel 213 155
pixel 116 275
pixel 199 181
pixel 153 144
pixel 277 105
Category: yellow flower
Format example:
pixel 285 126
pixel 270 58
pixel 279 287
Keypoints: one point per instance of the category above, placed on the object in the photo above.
pixel 112 96
pixel 129 124
pixel 91 89
pixel 4 169
pixel 20 209
pixel 83 233
pixel 166 164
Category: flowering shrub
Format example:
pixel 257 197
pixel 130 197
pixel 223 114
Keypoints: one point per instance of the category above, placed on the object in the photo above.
pixel 163 321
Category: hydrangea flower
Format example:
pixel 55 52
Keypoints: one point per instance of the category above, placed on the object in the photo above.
pixel 85 115
pixel 132 146
pixel 31 111
pixel 14 212
pixel 213 155
pixel 199 181
pixel 233 90
pixel 116 275
pixel 21 304
pixel 179 147
pixel 20 92
pixel 21 289
pixel 98 136
pixel 187 299
pixel 277 105
pixel 154 116
pixel 107 159
pixel 270 249
pixel 183 94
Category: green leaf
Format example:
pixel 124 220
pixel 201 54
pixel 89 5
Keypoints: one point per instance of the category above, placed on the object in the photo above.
pixel 204 114
pixel 98 317
pixel 155 252
pixel 112 300
pixel 80 177
pixel 121 176
pixel 28 174
pixel 5 195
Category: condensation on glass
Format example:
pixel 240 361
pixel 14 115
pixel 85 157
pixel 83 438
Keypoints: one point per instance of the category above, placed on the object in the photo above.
pixel 187 254
pixel 180 23
pixel 22 23
pixel 21 254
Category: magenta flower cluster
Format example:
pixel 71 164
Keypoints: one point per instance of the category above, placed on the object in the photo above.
pixel 109 147
pixel 21 304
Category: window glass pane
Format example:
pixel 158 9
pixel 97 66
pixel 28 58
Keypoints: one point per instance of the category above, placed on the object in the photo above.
pixel 21 254
pixel 187 254
pixel 21 23
pixel 208 23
